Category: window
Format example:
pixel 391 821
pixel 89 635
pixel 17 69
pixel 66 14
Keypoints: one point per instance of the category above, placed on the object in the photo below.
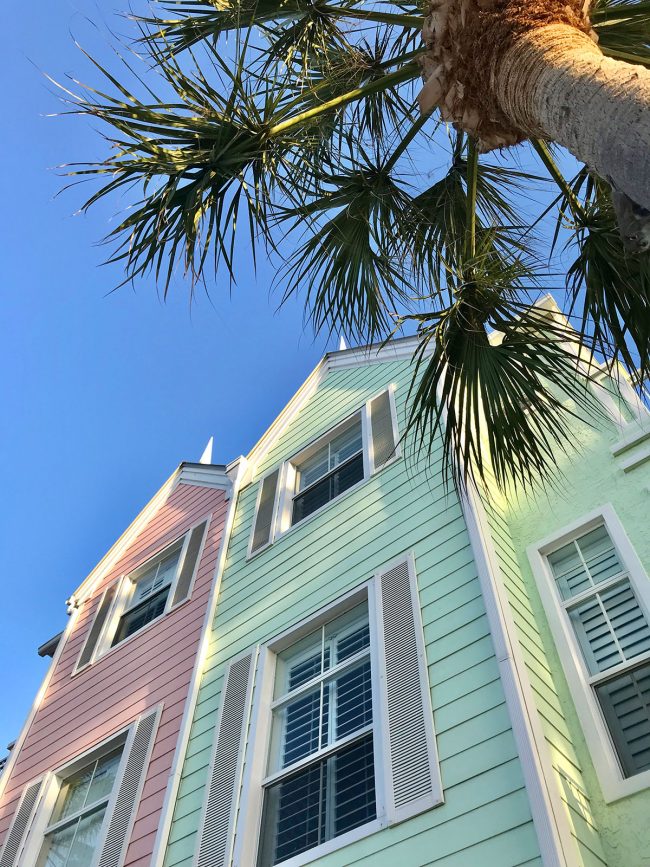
pixel 149 591
pixel 351 452
pixel 137 599
pixel 328 470
pixel 72 836
pixel 81 814
pixel 596 593
pixel 340 741
pixel 321 781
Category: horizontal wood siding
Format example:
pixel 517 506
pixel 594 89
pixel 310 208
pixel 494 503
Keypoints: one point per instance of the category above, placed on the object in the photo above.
pixel 80 710
pixel 566 765
pixel 486 817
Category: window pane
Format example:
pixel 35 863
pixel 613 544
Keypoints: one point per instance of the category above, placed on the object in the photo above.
pixel 600 555
pixel 159 575
pixel 353 700
pixel 85 841
pixel 345 445
pixel 355 786
pixel 301 727
pixel 610 627
pixel 338 481
pixel 625 701
pixel 142 614
pixel 594 550
pixel 72 794
pixel 74 845
pixel 313 468
pixel 328 798
pixel 104 776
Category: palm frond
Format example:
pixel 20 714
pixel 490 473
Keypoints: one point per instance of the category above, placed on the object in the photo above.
pixel 623 29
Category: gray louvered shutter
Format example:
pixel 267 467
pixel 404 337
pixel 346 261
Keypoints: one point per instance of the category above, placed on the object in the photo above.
pixel 190 562
pixel 413 775
pixel 120 823
pixel 264 516
pixel 20 825
pixel 625 701
pixel 98 624
pixel 217 832
pixel 381 427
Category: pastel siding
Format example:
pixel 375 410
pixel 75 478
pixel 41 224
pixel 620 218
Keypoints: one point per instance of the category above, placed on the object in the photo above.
pixel 592 478
pixel 486 817
pixel 79 711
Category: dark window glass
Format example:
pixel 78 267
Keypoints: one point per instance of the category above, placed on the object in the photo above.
pixel 142 614
pixel 625 701
pixel 324 800
pixel 321 492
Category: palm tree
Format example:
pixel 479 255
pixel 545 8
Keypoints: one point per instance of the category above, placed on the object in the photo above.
pixel 299 118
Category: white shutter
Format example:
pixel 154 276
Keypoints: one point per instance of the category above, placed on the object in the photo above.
pixel 265 507
pixel 217 830
pixel 190 562
pixel 412 772
pixel 130 787
pixel 20 825
pixel 95 632
pixel 382 429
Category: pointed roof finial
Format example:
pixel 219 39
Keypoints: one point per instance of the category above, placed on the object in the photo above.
pixel 206 457
pixel 342 344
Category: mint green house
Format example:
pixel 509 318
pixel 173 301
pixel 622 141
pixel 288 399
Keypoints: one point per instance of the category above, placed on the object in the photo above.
pixel 391 677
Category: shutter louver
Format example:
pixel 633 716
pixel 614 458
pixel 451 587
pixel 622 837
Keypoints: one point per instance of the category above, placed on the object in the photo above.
pixel 625 701
pixel 130 786
pixel 190 563
pixel 98 625
pixel 414 776
pixel 381 426
pixel 264 516
pixel 218 825
pixel 20 825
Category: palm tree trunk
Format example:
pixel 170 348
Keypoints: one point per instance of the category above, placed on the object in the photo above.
pixel 555 83
pixel 507 70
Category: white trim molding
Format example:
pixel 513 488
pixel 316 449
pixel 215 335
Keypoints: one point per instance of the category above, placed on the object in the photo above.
pixel 558 846
pixel 613 783
pixel 236 471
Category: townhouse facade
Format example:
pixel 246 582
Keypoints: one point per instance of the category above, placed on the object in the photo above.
pixel 87 779
pixel 387 673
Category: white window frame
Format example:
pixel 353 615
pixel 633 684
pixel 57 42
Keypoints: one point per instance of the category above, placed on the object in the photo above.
pixel 285 491
pixel 255 776
pixel 601 747
pixel 126 588
pixel 51 787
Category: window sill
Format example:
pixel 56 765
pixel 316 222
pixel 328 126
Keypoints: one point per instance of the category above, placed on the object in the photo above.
pixel 112 650
pixel 334 844
pixel 294 527
pixel 614 789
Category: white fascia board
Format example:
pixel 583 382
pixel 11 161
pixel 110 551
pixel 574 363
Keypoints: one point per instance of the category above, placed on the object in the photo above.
pixel 190 474
pixel 403 347
pixel 283 420
pixel 236 472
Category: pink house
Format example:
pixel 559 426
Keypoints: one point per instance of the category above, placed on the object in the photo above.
pixel 88 777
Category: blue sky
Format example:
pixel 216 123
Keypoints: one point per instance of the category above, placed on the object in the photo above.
pixel 102 394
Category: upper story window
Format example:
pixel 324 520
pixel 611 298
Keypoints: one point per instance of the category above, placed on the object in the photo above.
pixel 79 811
pixel 597 608
pixel 328 469
pixel 341 740
pixel 150 591
pixel 336 462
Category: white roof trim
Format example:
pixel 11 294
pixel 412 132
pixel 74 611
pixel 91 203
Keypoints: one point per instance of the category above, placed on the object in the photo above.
pixel 192 474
